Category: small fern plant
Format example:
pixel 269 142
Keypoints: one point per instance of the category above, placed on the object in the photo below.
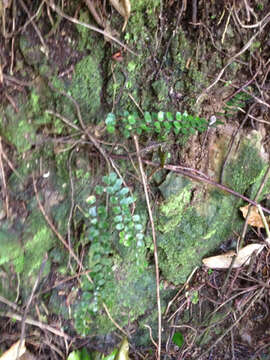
pixel 162 124
pixel 116 212
pixel 110 222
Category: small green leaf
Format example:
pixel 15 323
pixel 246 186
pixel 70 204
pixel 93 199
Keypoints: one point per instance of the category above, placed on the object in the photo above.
pixel 114 200
pixel 167 125
pixel 110 179
pixel 119 226
pixel 91 199
pixel 157 126
pixel 93 211
pixel 127 201
pixel 123 191
pixel 126 133
pixel 93 233
pixel 132 119
pixel 139 236
pixel 128 127
pixel 169 116
pixel 118 218
pixel 79 355
pixel 116 210
pixel 160 115
pixel 178 116
pixel 99 189
pixel 178 339
pixel 111 356
pixel 177 125
pixel 147 117
pixel 110 129
pixel 110 119
pixel 144 127
pixel 74 355
pixel 136 218
pixel 138 227
pixel 110 190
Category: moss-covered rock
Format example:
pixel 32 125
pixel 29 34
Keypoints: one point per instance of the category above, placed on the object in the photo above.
pixel 190 230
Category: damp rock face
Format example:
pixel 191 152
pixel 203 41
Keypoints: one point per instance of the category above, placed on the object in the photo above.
pixel 195 219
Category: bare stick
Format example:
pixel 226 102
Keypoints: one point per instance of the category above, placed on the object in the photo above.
pixel 207 180
pixel 113 321
pixel 154 241
pixel 33 322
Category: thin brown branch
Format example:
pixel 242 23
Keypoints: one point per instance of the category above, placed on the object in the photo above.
pixel 262 24
pixel 154 242
pixel 45 48
pixel 58 235
pixel 33 322
pixel 206 179
pixel 252 302
pixel 91 27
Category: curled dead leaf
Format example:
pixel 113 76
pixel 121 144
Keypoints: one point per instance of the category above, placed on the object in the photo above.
pixel 242 258
pixel 254 218
pixel 124 9
pixel 11 353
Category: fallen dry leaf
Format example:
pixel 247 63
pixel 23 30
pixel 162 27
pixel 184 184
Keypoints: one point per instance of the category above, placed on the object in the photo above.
pixel 254 218
pixel 224 261
pixel 11 353
pixel 124 9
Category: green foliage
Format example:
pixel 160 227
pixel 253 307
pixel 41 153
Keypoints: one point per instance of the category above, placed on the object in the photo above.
pixel 195 297
pixel 178 339
pixel 85 88
pixel 79 355
pixel 161 124
pixel 117 212
pixel 239 101
pixel 112 229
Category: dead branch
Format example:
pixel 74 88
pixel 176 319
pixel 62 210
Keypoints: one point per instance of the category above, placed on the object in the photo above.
pixel 154 242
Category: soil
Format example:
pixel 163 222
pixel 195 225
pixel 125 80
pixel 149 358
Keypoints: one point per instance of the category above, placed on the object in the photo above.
pixel 219 317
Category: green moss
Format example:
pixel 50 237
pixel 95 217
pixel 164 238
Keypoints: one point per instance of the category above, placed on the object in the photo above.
pixel 244 170
pixel 85 88
pixel 19 130
pixel 190 232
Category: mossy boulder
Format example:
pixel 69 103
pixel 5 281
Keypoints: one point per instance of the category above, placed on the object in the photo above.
pixel 193 223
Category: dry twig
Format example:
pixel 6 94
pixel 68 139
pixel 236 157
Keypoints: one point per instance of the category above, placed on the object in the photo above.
pixel 255 298
pixel 91 27
pixel 154 241
pixel 263 23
